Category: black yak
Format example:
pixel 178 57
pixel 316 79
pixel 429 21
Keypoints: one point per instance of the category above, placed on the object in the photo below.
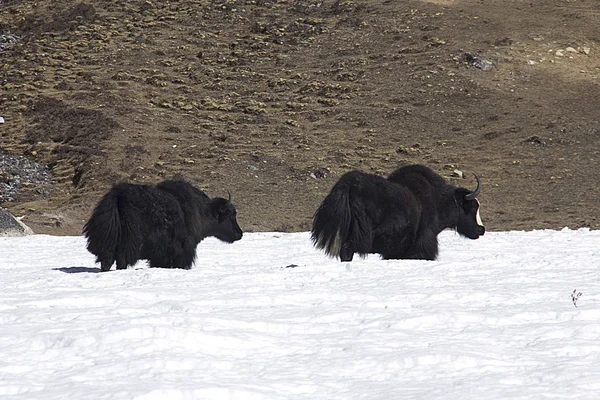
pixel 160 223
pixel 399 217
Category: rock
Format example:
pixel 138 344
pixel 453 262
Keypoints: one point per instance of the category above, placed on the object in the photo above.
pixel 571 50
pixel 320 173
pixel 17 170
pixel 560 53
pixel 479 62
pixel 458 173
pixel 535 140
pixel 8 39
pixel 586 50
pixel 11 226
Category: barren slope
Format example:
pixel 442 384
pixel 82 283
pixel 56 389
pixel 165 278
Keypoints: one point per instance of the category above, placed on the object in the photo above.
pixel 275 100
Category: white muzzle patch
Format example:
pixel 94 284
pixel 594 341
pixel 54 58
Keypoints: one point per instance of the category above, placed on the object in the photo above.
pixel 477 216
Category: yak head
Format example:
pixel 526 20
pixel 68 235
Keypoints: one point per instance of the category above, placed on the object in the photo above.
pixel 469 221
pixel 225 227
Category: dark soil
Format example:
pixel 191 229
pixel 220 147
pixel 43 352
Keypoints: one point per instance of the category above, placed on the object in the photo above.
pixel 275 100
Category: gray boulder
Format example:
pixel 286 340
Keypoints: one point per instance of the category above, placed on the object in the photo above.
pixel 10 226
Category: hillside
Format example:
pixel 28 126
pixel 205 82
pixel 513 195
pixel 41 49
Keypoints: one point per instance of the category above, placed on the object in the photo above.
pixel 275 100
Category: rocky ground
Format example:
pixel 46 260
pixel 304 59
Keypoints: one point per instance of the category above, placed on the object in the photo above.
pixel 275 100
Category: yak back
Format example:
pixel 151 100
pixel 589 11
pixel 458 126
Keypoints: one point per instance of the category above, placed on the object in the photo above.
pixel 194 203
pixel 429 188
pixel 378 198
pixel 149 207
pixel 388 206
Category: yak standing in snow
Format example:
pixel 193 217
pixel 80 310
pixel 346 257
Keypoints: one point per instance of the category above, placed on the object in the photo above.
pixel 160 223
pixel 399 217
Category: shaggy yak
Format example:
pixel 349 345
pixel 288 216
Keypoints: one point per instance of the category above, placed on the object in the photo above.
pixel 399 217
pixel 160 223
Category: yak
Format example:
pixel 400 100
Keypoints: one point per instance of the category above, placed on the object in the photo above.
pixel 161 223
pixel 399 217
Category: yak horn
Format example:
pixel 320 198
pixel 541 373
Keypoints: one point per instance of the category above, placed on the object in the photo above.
pixel 229 194
pixel 473 195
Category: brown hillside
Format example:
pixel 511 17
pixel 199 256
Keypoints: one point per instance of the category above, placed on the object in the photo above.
pixel 275 100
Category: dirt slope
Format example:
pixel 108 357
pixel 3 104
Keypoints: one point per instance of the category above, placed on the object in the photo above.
pixel 275 100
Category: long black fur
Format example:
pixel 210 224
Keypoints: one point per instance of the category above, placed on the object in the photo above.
pixel 398 218
pixel 161 223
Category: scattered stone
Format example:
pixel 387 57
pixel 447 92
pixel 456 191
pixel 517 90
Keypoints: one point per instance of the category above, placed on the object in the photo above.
pixel 17 172
pixel 320 173
pixel 8 39
pixel 560 53
pixel 535 140
pixel 479 62
pixel 504 42
pixel 11 226
pixel 571 50
pixel 458 173
pixel 586 50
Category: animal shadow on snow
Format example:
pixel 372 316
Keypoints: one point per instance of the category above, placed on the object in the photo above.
pixel 77 270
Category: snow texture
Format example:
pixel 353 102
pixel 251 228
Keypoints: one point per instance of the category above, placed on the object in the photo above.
pixel 269 317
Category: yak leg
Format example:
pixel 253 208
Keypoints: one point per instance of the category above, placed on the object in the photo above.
pixel 121 258
pixel 185 261
pixel 159 262
pixel 180 253
pixel 424 248
pixel 346 252
pixel 393 240
pixel 121 263
pixel 186 256
pixel 160 256
pixel 106 264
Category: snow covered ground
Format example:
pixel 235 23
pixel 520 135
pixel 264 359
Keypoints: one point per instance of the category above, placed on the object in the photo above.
pixel 269 317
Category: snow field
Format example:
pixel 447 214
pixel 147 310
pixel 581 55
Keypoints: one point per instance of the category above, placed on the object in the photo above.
pixel 269 317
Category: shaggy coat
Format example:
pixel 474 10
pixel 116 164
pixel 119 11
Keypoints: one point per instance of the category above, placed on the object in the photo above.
pixel 160 223
pixel 398 217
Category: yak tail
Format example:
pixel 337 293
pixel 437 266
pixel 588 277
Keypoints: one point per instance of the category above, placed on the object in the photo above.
pixel 110 230
pixel 339 221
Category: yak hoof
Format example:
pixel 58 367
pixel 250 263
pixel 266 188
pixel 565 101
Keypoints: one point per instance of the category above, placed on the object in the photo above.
pixel 346 252
pixel 105 267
